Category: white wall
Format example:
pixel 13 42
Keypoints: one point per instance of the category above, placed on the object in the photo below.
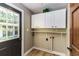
pixel 27 28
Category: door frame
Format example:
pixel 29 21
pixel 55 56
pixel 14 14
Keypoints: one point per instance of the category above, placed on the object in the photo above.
pixel 68 28
pixel 22 19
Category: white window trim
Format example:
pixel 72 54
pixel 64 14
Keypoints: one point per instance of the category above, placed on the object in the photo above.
pixel 22 45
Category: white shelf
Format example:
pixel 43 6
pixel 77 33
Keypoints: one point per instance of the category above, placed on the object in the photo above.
pixel 48 32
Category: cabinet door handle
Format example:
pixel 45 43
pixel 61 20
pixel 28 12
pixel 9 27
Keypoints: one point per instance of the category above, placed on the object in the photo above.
pixel 51 37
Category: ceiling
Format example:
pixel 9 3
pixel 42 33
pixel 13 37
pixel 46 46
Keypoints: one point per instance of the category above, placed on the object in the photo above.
pixel 38 7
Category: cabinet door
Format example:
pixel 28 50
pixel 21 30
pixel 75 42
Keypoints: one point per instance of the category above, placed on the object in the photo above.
pixel 49 20
pixel 42 40
pixel 38 20
pixel 60 18
pixel 33 21
pixel 59 43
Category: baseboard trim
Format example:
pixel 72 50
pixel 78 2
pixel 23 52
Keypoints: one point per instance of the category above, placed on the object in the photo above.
pixel 53 52
pixel 25 54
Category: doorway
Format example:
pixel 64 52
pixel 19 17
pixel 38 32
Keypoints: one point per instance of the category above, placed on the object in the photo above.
pixel 74 29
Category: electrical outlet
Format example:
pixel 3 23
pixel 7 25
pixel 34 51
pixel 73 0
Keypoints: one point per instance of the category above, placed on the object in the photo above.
pixel 46 39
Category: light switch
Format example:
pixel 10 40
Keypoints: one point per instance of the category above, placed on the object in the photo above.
pixel 27 29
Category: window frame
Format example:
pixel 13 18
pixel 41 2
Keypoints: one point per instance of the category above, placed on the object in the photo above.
pixel 20 17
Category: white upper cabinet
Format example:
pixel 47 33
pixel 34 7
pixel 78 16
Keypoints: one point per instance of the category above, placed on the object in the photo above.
pixel 60 18
pixel 38 21
pixel 54 19
pixel 49 20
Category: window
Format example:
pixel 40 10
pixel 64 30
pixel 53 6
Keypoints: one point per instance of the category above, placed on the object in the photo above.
pixel 4 30
pixel 10 31
pixel 16 30
pixel 9 24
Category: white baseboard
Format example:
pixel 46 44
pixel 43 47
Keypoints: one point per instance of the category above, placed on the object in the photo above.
pixel 53 52
pixel 25 54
